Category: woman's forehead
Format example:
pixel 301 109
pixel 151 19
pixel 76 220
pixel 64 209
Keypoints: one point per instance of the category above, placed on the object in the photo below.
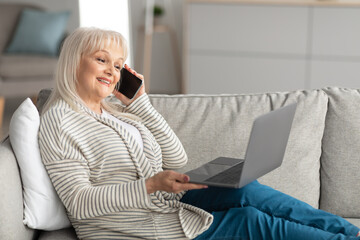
pixel 110 42
pixel 105 43
pixel 105 46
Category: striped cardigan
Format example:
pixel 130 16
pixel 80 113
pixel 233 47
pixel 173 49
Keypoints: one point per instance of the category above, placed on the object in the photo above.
pixel 99 172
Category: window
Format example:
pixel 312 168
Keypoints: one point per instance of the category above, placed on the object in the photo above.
pixel 107 14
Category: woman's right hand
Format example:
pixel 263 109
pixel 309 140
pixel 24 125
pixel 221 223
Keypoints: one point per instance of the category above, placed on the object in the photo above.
pixel 141 91
pixel 170 181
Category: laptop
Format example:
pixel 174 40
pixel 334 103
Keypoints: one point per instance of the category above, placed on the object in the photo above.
pixel 265 152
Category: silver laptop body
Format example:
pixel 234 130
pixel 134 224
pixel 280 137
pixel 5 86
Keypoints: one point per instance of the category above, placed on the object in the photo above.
pixel 265 152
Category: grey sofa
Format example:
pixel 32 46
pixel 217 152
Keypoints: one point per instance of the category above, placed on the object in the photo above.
pixel 321 164
pixel 21 75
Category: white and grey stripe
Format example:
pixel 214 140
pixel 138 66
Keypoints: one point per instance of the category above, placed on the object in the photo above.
pixel 99 172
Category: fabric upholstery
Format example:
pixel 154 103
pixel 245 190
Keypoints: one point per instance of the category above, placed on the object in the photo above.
pixel 212 126
pixel 340 159
pixel 24 86
pixel 9 14
pixel 63 234
pixel 355 221
pixel 42 206
pixel 26 66
pixel 39 32
pixel 42 98
pixel 11 201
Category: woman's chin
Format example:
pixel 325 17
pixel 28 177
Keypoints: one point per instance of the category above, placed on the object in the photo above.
pixel 105 91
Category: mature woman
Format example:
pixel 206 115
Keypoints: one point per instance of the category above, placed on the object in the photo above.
pixel 106 158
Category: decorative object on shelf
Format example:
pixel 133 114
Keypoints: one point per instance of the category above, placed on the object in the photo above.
pixel 158 13
pixel 153 11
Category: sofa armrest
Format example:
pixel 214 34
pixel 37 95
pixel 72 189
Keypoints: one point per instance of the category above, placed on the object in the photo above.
pixel 11 199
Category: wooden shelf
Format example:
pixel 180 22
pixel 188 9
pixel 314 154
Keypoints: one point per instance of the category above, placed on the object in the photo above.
pixel 338 3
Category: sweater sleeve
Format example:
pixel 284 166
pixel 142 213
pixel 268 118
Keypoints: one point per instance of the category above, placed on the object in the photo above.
pixel 173 152
pixel 70 175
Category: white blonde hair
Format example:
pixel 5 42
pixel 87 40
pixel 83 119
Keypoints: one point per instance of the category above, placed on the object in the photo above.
pixel 81 41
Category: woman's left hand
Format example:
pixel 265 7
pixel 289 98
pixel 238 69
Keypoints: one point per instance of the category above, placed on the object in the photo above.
pixel 141 91
pixel 170 181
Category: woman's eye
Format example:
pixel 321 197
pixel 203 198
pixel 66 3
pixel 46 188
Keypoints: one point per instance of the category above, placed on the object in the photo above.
pixel 100 60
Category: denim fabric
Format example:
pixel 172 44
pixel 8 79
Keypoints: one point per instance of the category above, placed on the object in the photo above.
pixel 259 212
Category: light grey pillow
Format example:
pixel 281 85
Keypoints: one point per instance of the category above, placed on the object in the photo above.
pixel 340 161
pixel 219 125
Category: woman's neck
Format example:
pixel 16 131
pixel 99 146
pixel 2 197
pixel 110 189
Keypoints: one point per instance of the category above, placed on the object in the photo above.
pixel 95 107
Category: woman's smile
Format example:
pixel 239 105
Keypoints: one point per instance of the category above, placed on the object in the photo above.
pixel 104 81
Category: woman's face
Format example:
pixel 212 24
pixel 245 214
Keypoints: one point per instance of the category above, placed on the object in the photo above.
pixel 98 74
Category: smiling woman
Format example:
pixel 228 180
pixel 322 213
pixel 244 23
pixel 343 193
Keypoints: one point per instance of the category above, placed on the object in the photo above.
pixel 89 59
pixel 116 17
pixel 98 74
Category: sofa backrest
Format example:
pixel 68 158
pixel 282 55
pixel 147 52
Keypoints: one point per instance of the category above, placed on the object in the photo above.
pixel 220 125
pixel 9 16
pixel 340 160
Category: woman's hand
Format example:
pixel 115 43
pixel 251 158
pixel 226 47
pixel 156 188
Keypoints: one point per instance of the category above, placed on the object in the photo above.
pixel 170 181
pixel 141 91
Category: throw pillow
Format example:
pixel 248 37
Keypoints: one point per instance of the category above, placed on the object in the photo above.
pixel 39 32
pixel 42 206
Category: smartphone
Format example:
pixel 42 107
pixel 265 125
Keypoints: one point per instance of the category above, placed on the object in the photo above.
pixel 128 84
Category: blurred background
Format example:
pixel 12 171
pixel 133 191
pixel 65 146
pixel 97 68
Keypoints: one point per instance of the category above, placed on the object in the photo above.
pixel 164 42
pixel 188 46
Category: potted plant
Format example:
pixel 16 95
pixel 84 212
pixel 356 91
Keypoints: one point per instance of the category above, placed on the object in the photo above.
pixel 158 13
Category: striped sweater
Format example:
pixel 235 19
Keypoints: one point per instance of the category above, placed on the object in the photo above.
pixel 99 172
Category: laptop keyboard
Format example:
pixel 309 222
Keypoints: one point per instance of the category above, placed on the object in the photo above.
pixel 231 175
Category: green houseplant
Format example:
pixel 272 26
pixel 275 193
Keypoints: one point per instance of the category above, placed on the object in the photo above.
pixel 158 13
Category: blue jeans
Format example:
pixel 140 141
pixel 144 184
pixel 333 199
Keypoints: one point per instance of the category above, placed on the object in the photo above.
pixel 257 211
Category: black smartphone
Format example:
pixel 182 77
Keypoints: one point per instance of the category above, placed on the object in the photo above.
pixel 128 84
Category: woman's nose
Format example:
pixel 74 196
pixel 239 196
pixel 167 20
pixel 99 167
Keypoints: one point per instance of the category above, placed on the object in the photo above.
pixel 109 70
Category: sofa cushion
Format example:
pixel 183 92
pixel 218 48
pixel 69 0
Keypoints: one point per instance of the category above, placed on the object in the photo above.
pixel 340 165
pixel 21 66
pixel 63 234
pixel 11 198
pixel 354 221
pixel 9 14
pixel 39 32
pixel 212 126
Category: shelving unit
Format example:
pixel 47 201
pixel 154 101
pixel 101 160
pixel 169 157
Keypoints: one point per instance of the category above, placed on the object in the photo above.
pixel 236 46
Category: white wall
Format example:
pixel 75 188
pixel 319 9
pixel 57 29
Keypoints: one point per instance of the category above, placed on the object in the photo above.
pixel 56 5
